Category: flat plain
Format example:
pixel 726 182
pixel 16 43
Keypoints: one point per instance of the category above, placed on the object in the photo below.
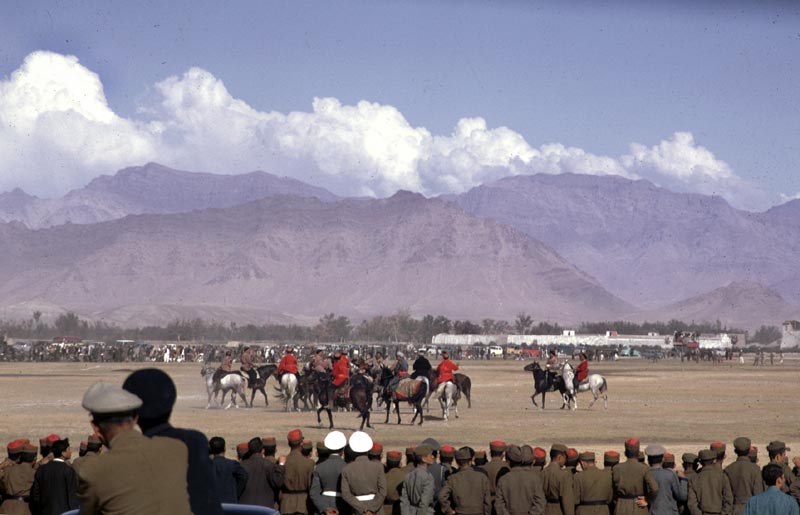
pixel 683 406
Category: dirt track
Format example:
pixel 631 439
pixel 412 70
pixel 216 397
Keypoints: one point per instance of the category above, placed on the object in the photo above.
pixel 683 407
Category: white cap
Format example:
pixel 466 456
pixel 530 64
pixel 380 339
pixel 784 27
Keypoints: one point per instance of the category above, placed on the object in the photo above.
pixel 360 442
pixel 335 440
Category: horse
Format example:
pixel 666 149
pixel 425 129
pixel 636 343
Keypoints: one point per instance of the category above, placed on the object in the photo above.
pixel 288 390
pixel 324 392
pixel 540 383
pixel 464 384
pixel 264 372
pixel 596 384
pixel 233 383
pixel 448 398
pixel 413 391
pixel 361 398
pixel 568 377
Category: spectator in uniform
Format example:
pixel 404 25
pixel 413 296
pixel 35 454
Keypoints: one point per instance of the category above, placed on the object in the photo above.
pixel 363 481
pixel 326 481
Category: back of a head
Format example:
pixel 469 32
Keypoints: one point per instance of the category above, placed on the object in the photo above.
pixel 216 445
pixel 254 446
pixel 157 391
pixel 770 473
pixel 59 447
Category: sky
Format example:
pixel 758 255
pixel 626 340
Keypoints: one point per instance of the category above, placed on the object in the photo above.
pixel 368 97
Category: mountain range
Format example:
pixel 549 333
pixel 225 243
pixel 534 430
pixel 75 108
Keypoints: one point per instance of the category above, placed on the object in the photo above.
pixel 151 244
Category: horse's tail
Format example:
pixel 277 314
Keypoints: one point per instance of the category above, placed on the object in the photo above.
pixel 604 387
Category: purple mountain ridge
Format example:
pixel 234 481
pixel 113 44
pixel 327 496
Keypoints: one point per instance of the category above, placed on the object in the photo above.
pixel 290 258
pixel 648 245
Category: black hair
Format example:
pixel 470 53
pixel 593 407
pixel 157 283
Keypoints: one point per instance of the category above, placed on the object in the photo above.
pixel 555 453
pixel 631 454
pixel 216 445
pixel 254 446
pixel 655 460
pixel 770 473
pixel 59 447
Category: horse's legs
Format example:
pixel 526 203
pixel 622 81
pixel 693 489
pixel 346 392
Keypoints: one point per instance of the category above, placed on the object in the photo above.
pixel 419 410
pixel 244 398
pixel 319 419
pixel 264 393
pixel 397 409
pixel 388 409
pixel 252 396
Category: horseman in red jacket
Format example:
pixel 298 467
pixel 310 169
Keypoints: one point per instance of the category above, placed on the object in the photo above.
pixel 444 372
pixel 582 370
pixel 288 363
pixel 341 368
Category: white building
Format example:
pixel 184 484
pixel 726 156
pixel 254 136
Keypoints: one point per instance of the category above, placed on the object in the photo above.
pixel 610 339
pixel 791 334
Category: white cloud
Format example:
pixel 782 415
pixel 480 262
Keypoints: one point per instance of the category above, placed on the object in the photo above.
pixel 57 131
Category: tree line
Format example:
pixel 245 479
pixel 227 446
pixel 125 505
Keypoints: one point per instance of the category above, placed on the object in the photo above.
pixel 399 327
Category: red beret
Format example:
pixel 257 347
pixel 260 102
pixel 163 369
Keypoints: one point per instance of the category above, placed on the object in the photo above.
pixel 295 436
pixel 51 439
pixel 268 440
pixel 572 453
pixel 241 449
pixel 718 445
pixel 15 447
pixel 539 453
pixel 241 446
pixel 497 445
pixel 307 444
pixel 376 450
pixel 611 454
pixel 393 456
pixel 30 449
pixel 632 444
pixel 447 451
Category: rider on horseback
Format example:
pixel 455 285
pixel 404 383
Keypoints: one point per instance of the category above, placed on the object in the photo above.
pixel 422 367
pixel 225 368
pixel 551 366
pixel 444 372
pixel 247 366
pixel 288 364
pixel 582 371
pixel 341 372
pixel 400 369
pixel 319 363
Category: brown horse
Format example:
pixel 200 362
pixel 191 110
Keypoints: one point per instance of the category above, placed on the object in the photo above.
pixel 391 394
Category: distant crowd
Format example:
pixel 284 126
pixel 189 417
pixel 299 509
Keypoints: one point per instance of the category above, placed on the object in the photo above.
pixel 136 462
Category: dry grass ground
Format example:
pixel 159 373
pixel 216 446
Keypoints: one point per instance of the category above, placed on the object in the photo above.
pixel 682 406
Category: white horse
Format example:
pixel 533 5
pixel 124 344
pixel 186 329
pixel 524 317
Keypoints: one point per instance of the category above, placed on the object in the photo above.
pixel 568 374
pixel 596 384
pixel 447 393
pixel 288 389
pixel 233 383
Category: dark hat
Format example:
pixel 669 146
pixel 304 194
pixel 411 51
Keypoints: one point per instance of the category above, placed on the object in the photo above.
pixel 433 443
pixel 108 399
pixel 479 455
pixel 43 441
pixel 410 451
pixel 93 439
pixel 586 456
pixel 447 451
pixel 777 447
pixel 514 454
pixel 295 436
pixel 84 446
pixel 463 454
pixel 559 447
pixel 497 446
pixel 29 449
pixel 269 441
pixel 689 457
pixel 640 457
pixel 632 445
pixel 610 458
pixel 307 445
pixel 655 450
pixel 321 446
pixel 422 451
pixel 753 451
pixel 527 454
pixel 394 456
pixel 708 455
pixel 155 388
pixel 669 458
pixel 742 444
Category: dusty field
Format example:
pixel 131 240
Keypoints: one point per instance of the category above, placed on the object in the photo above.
pixel 683 407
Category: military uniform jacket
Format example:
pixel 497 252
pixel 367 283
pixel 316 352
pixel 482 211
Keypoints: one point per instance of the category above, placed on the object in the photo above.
pixel 17 482
pixel 520 492
pixel 264 480
pixel 153 482
pixel 466 493
pixel 594 491
pixel 364 485
pixel 710 492
pixel 558 491
pixel 631 480
pixel 672 491
pixel 496 468
pixel 296 483
pixel 55 489
pixel 394 483
pixel 203 496
pixel 326 486
pixel 416 497
pixel 78 462
pixel 745 479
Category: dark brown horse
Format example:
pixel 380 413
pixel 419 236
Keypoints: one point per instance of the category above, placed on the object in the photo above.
pixel 361 398
pixel 264 373
pixel 542 384
pixel 391 395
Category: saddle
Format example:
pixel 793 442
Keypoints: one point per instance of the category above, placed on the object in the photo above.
pixel 343 390
pixel 407 388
